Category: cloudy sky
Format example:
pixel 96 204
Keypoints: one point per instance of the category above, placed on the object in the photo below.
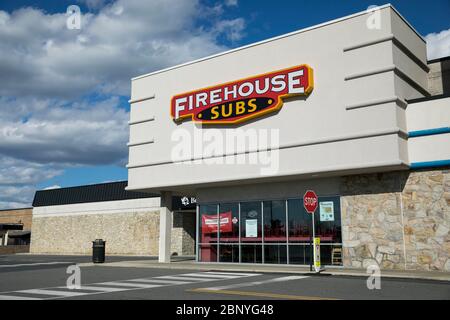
pixel 64 93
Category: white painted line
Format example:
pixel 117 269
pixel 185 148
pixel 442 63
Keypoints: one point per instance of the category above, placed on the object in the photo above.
pixel 160 281
pixel 33 264
pixel 52 292
pixel 235 273
pixel 133 285
pixel 257 283
pixel 190 279
pixel 219 276
pixel 4 297
pixel 101 289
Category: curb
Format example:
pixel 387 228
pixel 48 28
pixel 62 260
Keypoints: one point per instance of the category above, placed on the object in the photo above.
pixel 132 264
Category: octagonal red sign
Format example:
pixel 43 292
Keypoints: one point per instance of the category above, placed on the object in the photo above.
pixel 310 201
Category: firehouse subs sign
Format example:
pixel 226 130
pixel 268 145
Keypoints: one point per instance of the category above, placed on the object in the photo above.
pixel 244 99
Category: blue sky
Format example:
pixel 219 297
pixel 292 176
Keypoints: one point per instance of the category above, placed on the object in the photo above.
pixel 64 93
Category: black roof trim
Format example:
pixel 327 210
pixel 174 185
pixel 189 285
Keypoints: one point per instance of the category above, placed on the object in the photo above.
pixel 441 96
pixel 111 191
pixel 439 59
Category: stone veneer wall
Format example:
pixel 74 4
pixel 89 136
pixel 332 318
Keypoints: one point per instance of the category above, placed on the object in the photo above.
pixel 426 210
pixel 183 233
pixel 397 220
pixel 128 233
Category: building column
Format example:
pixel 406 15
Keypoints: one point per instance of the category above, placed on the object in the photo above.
pixel 5 239
pixel 165 227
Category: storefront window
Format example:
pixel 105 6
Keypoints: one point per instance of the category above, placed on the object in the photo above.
pixel 300 222
pixel 229 222
pixel 251 253
pixel 251 232
pixel 300 254
pixel 229 252
pixel 208 233
pixel 207 252
pixel 229 232
pixel 275 253
pixel 265 232
pixel 251 222
pixel 328 220
pixel 274 221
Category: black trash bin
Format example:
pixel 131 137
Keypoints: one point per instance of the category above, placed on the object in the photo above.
pixel 98 251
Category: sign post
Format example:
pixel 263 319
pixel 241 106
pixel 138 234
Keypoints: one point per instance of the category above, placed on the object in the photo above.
pixel 310 203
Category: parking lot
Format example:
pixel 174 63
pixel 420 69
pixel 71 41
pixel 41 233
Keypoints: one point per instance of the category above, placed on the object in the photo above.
pixel 28 277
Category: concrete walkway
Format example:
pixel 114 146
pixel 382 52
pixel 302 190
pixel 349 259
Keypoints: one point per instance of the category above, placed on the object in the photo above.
pixel 189 264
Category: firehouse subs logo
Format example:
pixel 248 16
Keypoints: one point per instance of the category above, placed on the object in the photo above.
pixel 242 100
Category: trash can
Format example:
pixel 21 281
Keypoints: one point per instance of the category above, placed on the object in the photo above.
pixel 98 251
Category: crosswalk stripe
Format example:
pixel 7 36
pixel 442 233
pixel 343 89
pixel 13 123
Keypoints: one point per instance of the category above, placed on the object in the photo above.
pixel 160 281
pixel 133 285
pixel 4 297
pixel 234 273
pixel 52 292
pixel 143 283
pixel 204 275
pixel 33 264
pixel 191 279
pixel 103 289
pixel 257 283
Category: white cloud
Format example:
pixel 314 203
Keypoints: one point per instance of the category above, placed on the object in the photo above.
pixel 233 29
pixel 16 196
pixel 81 133
pixel 438 44
pixel 94 4
pixel 47 74
pixel 39 56
pixel 53 187
pixel 20 172
pixel 231 3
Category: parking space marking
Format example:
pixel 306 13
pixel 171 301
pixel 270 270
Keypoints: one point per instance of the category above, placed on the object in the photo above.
pixel 257 283
pixel 212 275
pixel 188 278
pixel 48 292
pixel 132 285
pixel 34 264
pixel 4 297
pixel 160 281
pixel 99 288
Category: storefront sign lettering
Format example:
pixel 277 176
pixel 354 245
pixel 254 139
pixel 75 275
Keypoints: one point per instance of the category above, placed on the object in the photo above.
pixel 242 100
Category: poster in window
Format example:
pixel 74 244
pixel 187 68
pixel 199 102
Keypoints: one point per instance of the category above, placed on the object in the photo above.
pixel 326 211
pixel 251 228
pixel 210 223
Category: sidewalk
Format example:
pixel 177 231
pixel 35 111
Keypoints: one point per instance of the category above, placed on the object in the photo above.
pixel 190 264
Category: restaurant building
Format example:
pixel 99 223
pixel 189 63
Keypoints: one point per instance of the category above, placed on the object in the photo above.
pixel 350 108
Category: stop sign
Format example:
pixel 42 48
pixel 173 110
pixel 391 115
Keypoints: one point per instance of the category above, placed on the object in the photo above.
pixel 310 201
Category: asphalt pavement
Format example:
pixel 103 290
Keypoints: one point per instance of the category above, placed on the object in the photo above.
pixel 32 277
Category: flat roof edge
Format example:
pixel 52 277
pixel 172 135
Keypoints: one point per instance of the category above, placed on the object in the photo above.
pixel 16 209
pixel 407 23
pixel 439 59
pixel 317 26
